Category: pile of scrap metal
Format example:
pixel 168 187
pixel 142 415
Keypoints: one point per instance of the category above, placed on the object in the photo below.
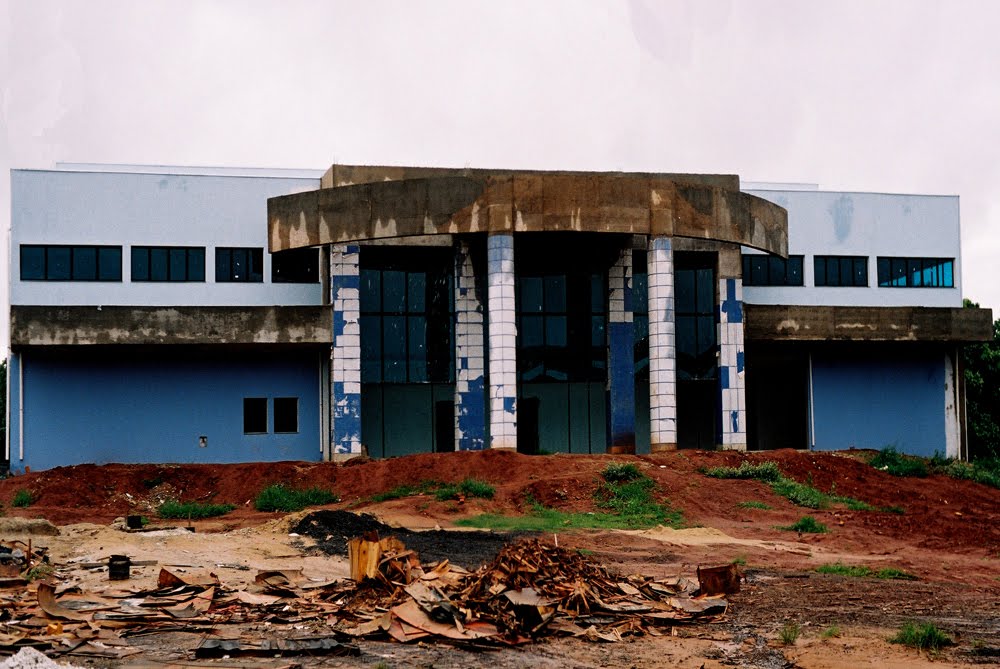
pixel 529 591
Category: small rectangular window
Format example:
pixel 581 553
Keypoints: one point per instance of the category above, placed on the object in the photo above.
pixel 70 263
pixel 295 266
pixel 850 271
pixel 286 414
pixel 767 270
pixel 168 263
pixel 244 265
pixel 255 415
pixel 915 272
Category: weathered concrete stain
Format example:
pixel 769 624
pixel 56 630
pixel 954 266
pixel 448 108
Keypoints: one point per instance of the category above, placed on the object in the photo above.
pixel 842 212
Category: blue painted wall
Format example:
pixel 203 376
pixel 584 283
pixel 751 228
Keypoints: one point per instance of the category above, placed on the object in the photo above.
pixel 101 410
pixel 893 400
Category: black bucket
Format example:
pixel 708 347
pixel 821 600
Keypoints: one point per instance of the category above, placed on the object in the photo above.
pixel 118 567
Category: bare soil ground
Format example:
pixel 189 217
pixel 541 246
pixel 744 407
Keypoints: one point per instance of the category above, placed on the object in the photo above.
pixel 948 536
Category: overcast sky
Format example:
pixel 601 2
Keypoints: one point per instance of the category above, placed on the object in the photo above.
pixel 868 95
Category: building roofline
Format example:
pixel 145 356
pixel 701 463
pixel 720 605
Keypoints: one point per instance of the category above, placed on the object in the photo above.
pixel 182 170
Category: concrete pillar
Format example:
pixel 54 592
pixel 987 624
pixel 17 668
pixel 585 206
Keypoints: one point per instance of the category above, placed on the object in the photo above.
pixel 503 341
pixel 470 366
pixel 732 387
pixel 662 347
pixel 345 354
pixel 621 358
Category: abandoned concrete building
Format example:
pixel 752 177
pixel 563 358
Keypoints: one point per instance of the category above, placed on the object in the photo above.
pixel 222 315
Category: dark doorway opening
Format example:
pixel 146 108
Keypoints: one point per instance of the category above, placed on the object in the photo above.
pixel 777 392
pixel 697 345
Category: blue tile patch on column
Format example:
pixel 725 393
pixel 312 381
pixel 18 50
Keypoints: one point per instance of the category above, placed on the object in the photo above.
pixel 509 404
pixel 472 416
pixel 621 385
pixel 724 378
pixel 730 306
pixel 347 422
pixel 739 362
pixel 735 418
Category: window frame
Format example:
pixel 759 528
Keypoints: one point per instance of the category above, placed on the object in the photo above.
pixel 888 277
pixel 73 250
pixel 254 259
pixel 168 263
pixel 840 260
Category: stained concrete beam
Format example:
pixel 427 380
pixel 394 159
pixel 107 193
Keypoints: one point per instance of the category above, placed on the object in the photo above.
pixel 819 323
pixel 658 205
pixel 77 325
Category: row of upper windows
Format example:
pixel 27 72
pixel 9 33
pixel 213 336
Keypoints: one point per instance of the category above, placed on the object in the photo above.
pixel 164 263
pixel 849 271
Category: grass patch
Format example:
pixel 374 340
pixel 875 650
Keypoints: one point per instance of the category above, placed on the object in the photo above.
pixel 752 504
pixel 466 488
pixel 839 569
pixel 922 637
pixel 193 510
pixel 831 632
pixel 625 504
pixel 789 634
pixel 797 493
pixel 23 498
pixel 621 472
pixel 894 574
pixel 893 462
pixel 740 561
pixel 401 491
pixel 279 497
pixel 985 471
pixel 806 524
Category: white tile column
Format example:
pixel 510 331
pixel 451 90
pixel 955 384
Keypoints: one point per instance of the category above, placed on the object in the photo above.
pixel 345 354
pixel 502 340
pixel 662 346
pixel 470 365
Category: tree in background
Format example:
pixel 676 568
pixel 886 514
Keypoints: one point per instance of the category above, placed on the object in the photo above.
pixel 982 394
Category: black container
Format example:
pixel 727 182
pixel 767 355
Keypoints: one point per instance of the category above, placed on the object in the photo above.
pixel 133 522
pixel 118 567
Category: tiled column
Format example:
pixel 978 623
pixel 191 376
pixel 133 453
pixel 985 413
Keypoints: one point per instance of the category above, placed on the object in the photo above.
pixel 470 393
pixel 731 355
pixel 662 348
pixel 503 341
pixel 345 355
pixel 621 359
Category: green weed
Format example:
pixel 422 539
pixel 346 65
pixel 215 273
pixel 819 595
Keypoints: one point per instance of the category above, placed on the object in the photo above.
pixel 621 472
pixel 740 561
pixel 806 524
pixel 789 634
pixel 831 632
pixel 894 574
pixel 839 569
pixel 922 637
pixel 467 488
pixel 193 510
pixel 985 471
pixel 893 462
pixel 23 498
pixel 406 491
pixel 800 494
pixel 279 497
pixel 764 471
pixel 754 505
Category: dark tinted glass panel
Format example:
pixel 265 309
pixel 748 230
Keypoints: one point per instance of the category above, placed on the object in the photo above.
pixel 109 264
pixel 295 266
pixel 58 259
pixel 417 355
pixel 255 415
pixel 416 292
pixel 860 271
pixel 371 290
pixel 597 336
pixel 532 331
pixel 531 294
pixel 394 349
pixel 286 414
pixel 158 265
pixel 685 291
pixel 223 265
pixel 371 349
pixel 85 263
pixel 256 272
pixel 777 270
pixel 946 274
pixel 758 270
pixel 555 293
pixel 819 272
pixel 394 291
pixel 195 264
pixel 555 331
pixel 140 264
pixel 794 272
pixel 706 290
pixel 640 293
pixel 32 263
pixel 916 272
pixel 597 293
pixel 178 265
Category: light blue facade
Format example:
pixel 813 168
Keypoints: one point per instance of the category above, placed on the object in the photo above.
pixel 82 408
pixel 892 399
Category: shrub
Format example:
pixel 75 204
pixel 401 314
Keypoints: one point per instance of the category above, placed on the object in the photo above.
pixel 22 498
pixel 893 462
pixel 279 497
pixel 193 510
pixel 922 637
pixel 468 488
pixel 831 631
pixel 764 471
pixel 621 472
pixel 840 569
pixel 789 633
pixel 894 574
pixel 807 524
pixel 986 472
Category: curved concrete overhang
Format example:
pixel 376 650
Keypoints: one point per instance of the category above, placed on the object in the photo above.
pixel 658 205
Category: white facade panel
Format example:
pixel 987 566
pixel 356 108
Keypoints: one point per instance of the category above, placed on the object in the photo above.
pixel 865 224
pixel 128 209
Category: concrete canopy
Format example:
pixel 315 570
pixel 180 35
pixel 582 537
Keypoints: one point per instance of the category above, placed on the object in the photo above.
pixel 404 202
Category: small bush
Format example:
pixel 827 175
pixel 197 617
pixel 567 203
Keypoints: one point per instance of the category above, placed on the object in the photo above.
pixel 23 498
pixel 279 497
pixel 621 472
pixel 193 510
pixel 406 491
pixel 789 634
pixel 765 471
pixel 831 632
pixel 807 524
pixel 922 637
pixel 39 571
pixel 839 569
pixel 984 471
pixel 894 574
pixel 893 462
pixel 754 505
pixel 467 488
